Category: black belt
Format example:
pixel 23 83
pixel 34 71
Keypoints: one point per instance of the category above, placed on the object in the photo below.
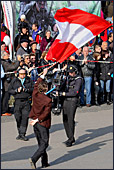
pixel 22 100
pixel 71 99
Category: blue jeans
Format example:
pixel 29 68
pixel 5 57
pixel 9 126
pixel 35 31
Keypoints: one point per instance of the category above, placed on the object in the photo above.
pixel 107 85
pixel 87 86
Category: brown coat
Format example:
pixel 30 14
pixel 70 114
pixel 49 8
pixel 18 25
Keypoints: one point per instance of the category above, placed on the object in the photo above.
pixel 41 107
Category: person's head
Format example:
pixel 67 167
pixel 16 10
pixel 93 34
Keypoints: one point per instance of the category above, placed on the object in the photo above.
pixel 24 43
pixel 4 55
pixel 42 87
pixel 3 45
pixel 48 34
pixel 33 45
pixel 85 51
pixel 72 70
pixel 104 45
pixel 35 27
pixel 110 37
pixel 97 48
pixel 26 58
pixel 22 73
pixel 32 57
pixel 24 30
pixel 96 55
pixel 72 57
pixel 23 17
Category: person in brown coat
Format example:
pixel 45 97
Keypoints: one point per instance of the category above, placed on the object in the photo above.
pixel 41 115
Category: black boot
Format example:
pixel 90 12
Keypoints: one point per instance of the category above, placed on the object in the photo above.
pixel 108 98
pixel 96 100
pixel 101 98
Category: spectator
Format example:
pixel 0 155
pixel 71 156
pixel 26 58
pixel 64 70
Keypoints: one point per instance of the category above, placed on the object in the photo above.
pixel 34 50
pixel 5 38
pixel 23 48
pixel 2 76
pixel 97 57
pixel 41 115
pixel 46 41
pixel 110 38
pixel 36 33
pixel 21 87
pixel 23 35
pixel 33 68
pixel 22 21
pixel 97 48
pixel 106 69
pixel 8 66
pixel 26 64
pixel 87 73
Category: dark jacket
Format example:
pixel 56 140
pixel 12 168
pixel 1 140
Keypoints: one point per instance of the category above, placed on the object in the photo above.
pixel 44 43
pixel 8 66
pixel 96 73
pixel 87 69
pixel 41 107
pixel 16 83
pixel 106 68
pixel 74 86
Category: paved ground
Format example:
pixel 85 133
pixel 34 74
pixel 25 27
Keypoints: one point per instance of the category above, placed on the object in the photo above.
pixel 93 148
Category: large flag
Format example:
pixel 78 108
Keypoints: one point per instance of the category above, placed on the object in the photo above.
pixel 76 28
pixel 8 19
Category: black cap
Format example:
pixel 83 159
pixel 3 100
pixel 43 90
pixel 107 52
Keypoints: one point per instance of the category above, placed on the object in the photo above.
pixel 72 69
pixel 23 40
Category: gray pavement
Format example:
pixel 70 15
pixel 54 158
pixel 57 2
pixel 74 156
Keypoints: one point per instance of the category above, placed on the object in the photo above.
pixel 93 148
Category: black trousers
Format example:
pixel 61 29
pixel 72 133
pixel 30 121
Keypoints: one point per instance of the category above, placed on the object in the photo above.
pixel 21 113
pixel 42 136
pixel 69 110
pixel 5 99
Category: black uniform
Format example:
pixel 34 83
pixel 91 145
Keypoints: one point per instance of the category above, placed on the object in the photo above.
pixel 70 105
pixel 22 104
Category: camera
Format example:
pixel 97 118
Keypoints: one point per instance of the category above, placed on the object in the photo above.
pixel 57 100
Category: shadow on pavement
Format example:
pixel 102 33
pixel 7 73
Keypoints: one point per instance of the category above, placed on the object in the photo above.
pixel 59 126
pixel 79 152
pixel 94 133
pixel 20 154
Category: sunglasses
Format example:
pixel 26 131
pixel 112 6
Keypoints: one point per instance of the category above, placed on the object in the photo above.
pixel 22 73
pixel 28 58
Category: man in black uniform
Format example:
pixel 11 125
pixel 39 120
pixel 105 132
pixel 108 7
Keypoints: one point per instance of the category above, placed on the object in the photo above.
pixel 21 87
pixel 70 104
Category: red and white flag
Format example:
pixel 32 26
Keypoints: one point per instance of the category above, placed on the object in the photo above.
pixel 76 28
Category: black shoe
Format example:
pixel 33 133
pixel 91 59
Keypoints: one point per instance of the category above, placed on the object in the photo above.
pixel 33 165
pixel 45 165
pixel 108 103
pixel 24 138
pixel 18 137
pixel 68 144
pixel 73 141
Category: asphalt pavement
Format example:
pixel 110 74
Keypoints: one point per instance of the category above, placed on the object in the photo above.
pixel 93 148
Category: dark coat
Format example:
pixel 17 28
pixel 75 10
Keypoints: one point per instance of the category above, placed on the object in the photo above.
pixel 41 107
pixel 87 69
pixel 16 83
pixel 44 43
pixel 106 68
pixel 8 66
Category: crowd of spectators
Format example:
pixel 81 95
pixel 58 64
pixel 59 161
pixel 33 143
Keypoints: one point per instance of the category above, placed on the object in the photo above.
pixel 30 50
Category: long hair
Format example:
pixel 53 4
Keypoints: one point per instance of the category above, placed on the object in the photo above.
pixel 42 87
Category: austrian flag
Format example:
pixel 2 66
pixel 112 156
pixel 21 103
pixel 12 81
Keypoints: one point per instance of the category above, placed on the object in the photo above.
pixel 76 28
